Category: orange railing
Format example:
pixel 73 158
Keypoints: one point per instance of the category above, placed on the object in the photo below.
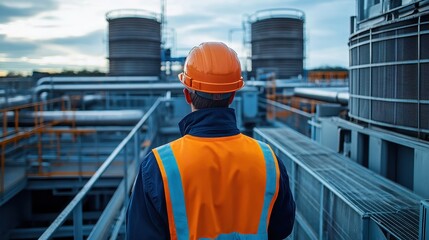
pixel 327 76
pixel 19 132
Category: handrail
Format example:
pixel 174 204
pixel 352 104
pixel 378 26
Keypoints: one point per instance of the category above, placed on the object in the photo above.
pixel 12 136
pixel 76 202
pixel 288 108
pixel 151 87
pixel 95 79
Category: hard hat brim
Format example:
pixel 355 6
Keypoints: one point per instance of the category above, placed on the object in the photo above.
pixel 206 87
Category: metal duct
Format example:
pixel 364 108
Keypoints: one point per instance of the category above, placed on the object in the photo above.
pixel 134 43
pixel 333 95
pixel 107 117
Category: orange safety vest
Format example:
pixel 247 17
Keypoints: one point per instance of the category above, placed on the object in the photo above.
pixel 218 188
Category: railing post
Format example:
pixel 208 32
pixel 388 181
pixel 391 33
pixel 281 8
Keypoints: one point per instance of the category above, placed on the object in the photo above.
pixel 125 173
pixel 321 209
pixel 77 222
pixel 4 123
pixel 80 168
pixel 136 147
pixel 2 156
pixel 16 120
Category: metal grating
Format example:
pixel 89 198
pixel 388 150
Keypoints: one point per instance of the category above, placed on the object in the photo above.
pixel 364 80
pixel 379 54
pixel 383 81
pixel 406 82
pixel 424 116
pixel 388 113
pixel 424 87
pixel 364 54
pixel 425 42
pixel 406 114
pixel 351 193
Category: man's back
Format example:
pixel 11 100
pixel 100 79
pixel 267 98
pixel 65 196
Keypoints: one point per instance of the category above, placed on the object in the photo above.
pixel 224 182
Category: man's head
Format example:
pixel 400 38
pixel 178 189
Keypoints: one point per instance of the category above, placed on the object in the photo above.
pixel 211 75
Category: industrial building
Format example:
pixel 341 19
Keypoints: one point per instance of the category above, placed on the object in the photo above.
pixel 356 150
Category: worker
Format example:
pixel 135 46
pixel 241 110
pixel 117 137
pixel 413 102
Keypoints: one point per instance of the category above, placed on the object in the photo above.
pixel 213 182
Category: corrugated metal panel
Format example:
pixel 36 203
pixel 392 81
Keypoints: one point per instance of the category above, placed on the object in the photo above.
pixel 391 81
pixel 278 42
pixel 134 46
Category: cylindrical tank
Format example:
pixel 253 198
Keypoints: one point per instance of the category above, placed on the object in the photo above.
pixel 134 43
pixel 389 73
pixel 277 37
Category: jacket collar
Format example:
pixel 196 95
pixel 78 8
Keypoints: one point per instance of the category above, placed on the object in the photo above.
pixel 211 122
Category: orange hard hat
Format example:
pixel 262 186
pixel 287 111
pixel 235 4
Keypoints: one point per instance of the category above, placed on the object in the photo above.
pixel 212 67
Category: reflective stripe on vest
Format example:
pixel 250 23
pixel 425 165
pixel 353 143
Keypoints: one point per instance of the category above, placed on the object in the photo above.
pixel 177 196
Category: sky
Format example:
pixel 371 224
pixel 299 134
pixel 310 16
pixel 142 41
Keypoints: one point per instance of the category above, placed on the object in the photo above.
pixel 53 35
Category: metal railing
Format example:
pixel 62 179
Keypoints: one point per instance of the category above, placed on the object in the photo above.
pixel 13 135
pixel 295 118
pixel 337 198
pixel 424 220
pixel 75 206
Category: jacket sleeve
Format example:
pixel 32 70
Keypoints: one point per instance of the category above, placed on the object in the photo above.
pixel 147 214
pixel 283 213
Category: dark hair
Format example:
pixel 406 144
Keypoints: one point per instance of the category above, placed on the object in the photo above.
pixel 201 103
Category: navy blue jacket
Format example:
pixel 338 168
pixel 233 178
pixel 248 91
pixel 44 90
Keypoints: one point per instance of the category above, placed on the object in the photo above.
pixel 147 212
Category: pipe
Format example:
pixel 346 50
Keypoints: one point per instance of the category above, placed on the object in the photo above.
pixel 98 79
pixel 14 101
pixel 149 88
pixel 295 83
pixel 105 117
pixel 332 95
pixel 141 87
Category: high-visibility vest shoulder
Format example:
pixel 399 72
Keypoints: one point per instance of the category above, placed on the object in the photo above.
pixel 218 188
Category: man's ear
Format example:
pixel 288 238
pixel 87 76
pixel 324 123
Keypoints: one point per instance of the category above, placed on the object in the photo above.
pixel 187 96
pixel 231 98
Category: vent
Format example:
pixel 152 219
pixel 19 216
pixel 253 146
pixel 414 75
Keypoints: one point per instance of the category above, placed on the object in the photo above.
pixel 391 82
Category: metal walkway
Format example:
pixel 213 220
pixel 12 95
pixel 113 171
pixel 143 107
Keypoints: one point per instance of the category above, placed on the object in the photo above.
pixel 340 199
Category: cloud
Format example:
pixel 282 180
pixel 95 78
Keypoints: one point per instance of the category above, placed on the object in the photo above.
pixel 332 56
pixel 53 63
pixel 86 51
pixel 90 44
pixel 16 48
pixel 13 9
pixel 93 43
